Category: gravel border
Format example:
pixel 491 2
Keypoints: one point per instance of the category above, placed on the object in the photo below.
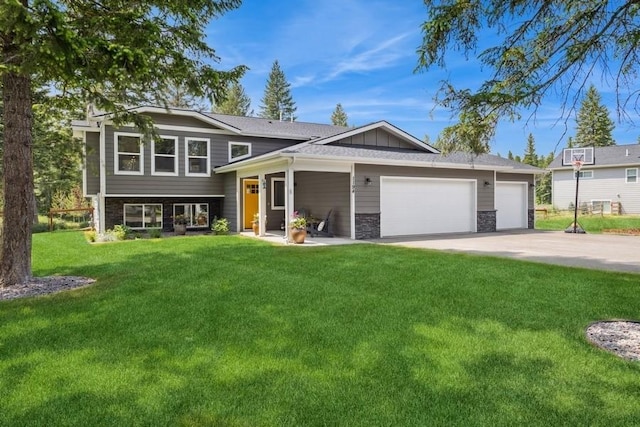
pixel 44 285
pixel 620 337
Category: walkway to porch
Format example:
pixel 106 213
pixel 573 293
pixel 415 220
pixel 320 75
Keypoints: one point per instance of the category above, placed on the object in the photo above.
pixel 277 237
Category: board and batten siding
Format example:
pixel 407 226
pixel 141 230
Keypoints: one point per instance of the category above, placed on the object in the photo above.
pixel 92 163
pixel 517 177
pixel 319 192
pixel 606 184
pixel 149 184
pixel 368 195
pixel 375 138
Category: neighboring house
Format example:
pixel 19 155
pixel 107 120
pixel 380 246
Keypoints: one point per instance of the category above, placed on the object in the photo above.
pixel 377 180
pixel 610 185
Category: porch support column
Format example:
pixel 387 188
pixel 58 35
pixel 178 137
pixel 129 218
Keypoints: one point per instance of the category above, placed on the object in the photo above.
pixel 289 202
pixel 352 201
pixel 262 204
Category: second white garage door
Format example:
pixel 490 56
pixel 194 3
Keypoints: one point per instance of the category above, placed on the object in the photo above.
pixel 413 206
pixel 511 205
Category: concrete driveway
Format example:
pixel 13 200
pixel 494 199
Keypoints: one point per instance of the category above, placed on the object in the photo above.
pixel 596 251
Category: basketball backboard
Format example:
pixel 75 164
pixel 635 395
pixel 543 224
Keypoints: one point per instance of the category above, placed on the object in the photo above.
pixel 582 154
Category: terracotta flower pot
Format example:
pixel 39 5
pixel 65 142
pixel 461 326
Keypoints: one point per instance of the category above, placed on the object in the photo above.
pixel 298 235
pixel 256 227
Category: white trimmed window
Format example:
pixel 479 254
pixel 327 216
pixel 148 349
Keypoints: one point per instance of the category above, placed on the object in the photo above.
pixel 164 157
pixel 631 175
pixel 197 214
pixel 197 154
pixel 128 154
pixel 141 216
pixel 583 174
pixel 277 194
pixel 239 150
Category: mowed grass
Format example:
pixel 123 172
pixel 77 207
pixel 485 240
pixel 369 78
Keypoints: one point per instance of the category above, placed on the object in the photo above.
pixel 230 331
pixel 590 223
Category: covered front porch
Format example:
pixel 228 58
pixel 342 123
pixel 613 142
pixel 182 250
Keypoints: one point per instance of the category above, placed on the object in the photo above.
pixel 271 194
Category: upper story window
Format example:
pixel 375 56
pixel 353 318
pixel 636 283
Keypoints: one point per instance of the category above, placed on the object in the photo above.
pixel 583 174
pixel 277 194
pixel 164 160
pixel 197 157
pixel 631 175
pixel 128 154
pixel 239 150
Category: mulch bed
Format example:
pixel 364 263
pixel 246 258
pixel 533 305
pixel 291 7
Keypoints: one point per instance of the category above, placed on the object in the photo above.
pixel 620 337
pixel 625 231
pixel 44 285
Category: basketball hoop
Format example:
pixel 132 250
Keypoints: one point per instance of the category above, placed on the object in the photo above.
pixel 577 165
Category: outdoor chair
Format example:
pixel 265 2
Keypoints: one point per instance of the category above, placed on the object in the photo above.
pixel 320 228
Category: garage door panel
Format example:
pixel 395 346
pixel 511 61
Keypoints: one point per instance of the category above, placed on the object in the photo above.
pixel 414 206
pixel 511 205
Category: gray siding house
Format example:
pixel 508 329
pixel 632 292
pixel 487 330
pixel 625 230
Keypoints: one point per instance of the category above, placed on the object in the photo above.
pixel 610 185
pixel 375 180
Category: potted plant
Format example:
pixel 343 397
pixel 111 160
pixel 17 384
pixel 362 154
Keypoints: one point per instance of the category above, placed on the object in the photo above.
pixel 298 228
pixel 180 224
pixel 255 224
pixel 202 218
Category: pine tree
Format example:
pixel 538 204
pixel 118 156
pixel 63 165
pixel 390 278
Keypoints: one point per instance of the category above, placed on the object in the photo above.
pixel 530 156
pixel 237 102
pixel 277 102
pixel 594 126
pixel 510 155
pixel 543 182
pixel 339 117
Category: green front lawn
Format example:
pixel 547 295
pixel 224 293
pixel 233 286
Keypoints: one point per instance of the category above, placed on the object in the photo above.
pixel 230 331
pixel 590 223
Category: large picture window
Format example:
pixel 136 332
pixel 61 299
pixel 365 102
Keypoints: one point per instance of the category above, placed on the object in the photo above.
pixel 197 157
pixel 631 175
pixel 141 216
pixel 197 214
pixel 165 156
pixel 277 194
pixel 239 150
pixel 128 153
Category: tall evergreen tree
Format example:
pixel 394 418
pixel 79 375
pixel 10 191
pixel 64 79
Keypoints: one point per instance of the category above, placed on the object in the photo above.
pixel 106 52
pixel 594 127
pixel 543 182
pixel 236 102
pixel 277 102
pixel 530 156
pixel 339 117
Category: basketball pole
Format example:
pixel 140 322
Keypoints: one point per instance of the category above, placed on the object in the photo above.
pixel 575 209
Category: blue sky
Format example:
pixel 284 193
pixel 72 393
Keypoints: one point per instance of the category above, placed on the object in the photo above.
pixel 362 54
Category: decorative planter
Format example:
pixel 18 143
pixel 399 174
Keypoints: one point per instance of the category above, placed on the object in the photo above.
pixel 256 227
pixel 298 235
pixel 180 229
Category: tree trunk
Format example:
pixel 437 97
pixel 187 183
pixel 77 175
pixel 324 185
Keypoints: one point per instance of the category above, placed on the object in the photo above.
pixel 15 264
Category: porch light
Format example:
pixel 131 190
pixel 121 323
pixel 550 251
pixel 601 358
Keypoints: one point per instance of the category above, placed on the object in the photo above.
pixel 367 181
pixel 264 184
pixel 487 183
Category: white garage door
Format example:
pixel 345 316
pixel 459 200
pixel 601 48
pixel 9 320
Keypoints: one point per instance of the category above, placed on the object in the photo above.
pixel 412 206
pixel 511 205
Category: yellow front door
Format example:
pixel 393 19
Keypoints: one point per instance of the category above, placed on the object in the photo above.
pixel 251 189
